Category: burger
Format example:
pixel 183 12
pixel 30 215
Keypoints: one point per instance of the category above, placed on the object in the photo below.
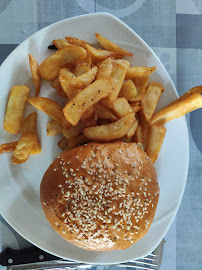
pixel 101 196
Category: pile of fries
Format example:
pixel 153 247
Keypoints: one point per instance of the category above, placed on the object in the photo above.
pixel 105 99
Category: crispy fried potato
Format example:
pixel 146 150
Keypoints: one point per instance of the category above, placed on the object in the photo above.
pixel 99 89
pixel 7 147
pixel 140 84
pixel 51 108
pixel 73 131
pixel 85 79
pixel 76 41
pixel 60 43
pixel 112 131
pixel 132 131
pixel 63 144
pixel 15 108
pixel 80 139
pixel 53 128
pixel 197 89
pixel 135 108
pixel 178 109
pixel 151 98
pixel 118 74
pixel 35 73
pixel 55 83
pixel 121 107
pixel 81 69
pixel 137 72
pixel 52 65
pixel 105 68
pixel 128 90
pixel 108 45
pixel 90 117
pixel 145 127
pixel 104 113
pixel 155 141
pixel 64 78
pixel 61 92
pixel 29 126
pixel 138 137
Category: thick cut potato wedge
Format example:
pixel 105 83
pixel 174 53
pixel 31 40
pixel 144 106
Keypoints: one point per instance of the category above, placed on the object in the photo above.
pixel 15 108
pixel 105 68
pixel 132 131
pixel 121 107
pixel 64 77
pixel 118 74
pixel 178 109
pixel 60 43
pixel 145 127
pixel 138 137
pixel 197 90
pixel 112 131
pixel 137 72
pixel 61 92
pixel 128 90
pixel 80 139
pixel 140 84
pixel 99 89
pixel 29 126
pixel 108 45
pixel 52 65
pixel 76 41
pixel 51 108
pixel 104 113
pixel 35 73
pixel 53 128
pixel 63 144
pixel 81 69
pixel 135 108
pixel 7 147
pixel 73 131
pixel 155 141
pixel 151 98
pixel 90 117
pixel 85 79
pixel 55 83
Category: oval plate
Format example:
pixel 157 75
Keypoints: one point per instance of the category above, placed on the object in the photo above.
pixel 19 184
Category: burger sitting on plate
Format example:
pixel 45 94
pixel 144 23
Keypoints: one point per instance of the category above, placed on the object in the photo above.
pixel 101 196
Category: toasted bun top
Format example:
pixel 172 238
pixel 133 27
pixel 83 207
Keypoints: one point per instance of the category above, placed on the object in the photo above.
pixel 101 196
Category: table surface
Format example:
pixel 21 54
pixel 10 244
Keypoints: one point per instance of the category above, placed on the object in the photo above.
pixel 173 30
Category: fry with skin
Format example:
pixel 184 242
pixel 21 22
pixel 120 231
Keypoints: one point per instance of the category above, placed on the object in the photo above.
pixel 15 108
pixel 79 140
pixel 196 89
pixel 104 113
pixel 121 107
pixel 8 147
pixel 132 131
pixel 140 84
pixel 138 137
pixel 53 128
pixel 105 68
pixel 99 89
pixel 85 79
pixel 155 141
pixel 60 43
pixel 81 69
pixel 128 90
pixel 35 73
pixel 112 131
pixel 73 131
pixel 178 109
pixel 137 72
pixel 63 144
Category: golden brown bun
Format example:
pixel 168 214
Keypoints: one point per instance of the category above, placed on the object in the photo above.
pixel 101 196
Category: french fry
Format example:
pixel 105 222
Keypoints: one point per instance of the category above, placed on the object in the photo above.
pixel 35 73
pixel 63 144
pixel 132 131
pixel 64 78
pixel 108 45
pixel 135 108
pixel 145 127
pixel 197 89
pixel 128 90
pixel 155 141
pixel 53 128
pixel 140 84
pixel 178 109
pixel 60 43
pixel 29 126
pixel 76 41
pixel 138 137
pixel 15 108
pixel 60 91
pixel 73 131
pixel 118 74
pixel 76 141
pixel 104 113
pixel 121 107
pixel 151 98
pixel 55 83
pixel 99 89
pixel 51 108
pixel 112 131
pixel 90 117
pixel 81 69
pixel 105 68
pixel 84 80
pixel 7 147
pixel 51 66
pixel 137 72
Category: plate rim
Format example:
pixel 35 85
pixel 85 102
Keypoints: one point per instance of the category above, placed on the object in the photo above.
pixel 186 158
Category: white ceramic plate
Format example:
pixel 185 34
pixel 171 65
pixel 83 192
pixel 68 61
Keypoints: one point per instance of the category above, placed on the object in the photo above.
pixel 19 184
